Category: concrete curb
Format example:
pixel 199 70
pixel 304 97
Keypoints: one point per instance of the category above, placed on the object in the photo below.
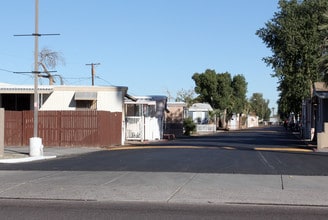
pixel 26 159
pixel 20 154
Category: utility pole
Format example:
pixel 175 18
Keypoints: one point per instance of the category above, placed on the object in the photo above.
pixel 93 71
pixel 36 69
pixel 35 142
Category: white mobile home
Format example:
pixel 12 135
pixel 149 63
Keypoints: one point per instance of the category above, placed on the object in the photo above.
pixel 200 114
pixel 145 117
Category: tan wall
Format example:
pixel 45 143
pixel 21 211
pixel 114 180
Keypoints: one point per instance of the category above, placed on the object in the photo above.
pixel 175 115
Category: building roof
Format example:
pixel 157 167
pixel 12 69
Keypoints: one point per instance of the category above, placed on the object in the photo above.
pixel 46 89
pixel 89 88
pixel 176 104
pixel 152 97
pixel 200 107
pixel 150 100
pixel 24 89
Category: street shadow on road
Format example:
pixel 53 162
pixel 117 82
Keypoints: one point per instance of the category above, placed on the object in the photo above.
pixel 268 137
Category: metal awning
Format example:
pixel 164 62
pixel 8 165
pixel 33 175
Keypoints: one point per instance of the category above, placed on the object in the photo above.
pixel 321 95
pixel 140 102
pixel 85 96
pixel 321 90
pixel 131 97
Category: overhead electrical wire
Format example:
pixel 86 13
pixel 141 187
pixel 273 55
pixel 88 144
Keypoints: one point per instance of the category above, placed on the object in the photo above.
pixel 5 70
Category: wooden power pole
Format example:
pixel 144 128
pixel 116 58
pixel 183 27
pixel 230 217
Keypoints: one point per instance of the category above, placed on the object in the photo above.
pixel 36 71
pixel 93 71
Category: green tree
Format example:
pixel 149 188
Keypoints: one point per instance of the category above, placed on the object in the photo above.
pixel 323 62
pixel 260 106
pixel 239 87
pixel 225 102
pixel 225 94
pixel 206 87
pixel 294 38
pixel 225 91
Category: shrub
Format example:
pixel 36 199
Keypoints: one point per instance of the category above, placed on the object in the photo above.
pixel 189 126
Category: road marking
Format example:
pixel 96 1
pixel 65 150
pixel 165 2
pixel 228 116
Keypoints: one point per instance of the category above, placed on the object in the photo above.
pixel 282 149
pixel 229 148
pixel 265 161
pixel 158 147
pixel 170 147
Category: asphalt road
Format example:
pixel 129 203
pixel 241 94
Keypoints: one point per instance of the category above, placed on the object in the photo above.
pixel 268 150
pixel 79 210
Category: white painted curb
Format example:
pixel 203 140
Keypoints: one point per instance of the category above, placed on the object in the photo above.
pixel 26 159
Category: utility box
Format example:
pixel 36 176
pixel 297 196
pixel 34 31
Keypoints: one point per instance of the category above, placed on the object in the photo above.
pixel 322 144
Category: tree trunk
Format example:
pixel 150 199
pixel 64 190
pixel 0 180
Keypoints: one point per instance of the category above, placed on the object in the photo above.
pixel 225 119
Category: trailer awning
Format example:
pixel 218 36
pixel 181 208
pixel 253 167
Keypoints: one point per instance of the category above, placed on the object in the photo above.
pixel 85 96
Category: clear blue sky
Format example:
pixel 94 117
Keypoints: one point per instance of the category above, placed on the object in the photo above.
pixel 150 46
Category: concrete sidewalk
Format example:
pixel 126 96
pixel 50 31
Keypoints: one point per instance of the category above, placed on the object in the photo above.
pixel 165 187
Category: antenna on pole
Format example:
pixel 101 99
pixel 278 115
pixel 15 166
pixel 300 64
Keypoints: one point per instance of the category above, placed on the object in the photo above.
pixel 93 71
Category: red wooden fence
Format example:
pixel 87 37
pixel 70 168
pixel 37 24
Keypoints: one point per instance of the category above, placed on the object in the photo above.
pixel 64 128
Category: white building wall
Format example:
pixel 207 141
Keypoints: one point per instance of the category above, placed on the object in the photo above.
pixel 233 123
pixel 64 101
pixel 252 121
pixel 110 101
pixel 152 129
pixel 198 117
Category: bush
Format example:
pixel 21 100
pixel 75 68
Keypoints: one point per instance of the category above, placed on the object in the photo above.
pixel 189 126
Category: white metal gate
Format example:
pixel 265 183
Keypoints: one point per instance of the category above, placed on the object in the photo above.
pixel 134 128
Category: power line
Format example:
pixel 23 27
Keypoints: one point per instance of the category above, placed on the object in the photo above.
pixel 21 73
pixel 34 34
pixel 98 77
pixel 76 80
pixel 9 71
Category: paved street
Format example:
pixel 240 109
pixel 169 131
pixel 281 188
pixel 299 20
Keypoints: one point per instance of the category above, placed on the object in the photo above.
pixel 256 168
pixel 269 150
pixel 33 209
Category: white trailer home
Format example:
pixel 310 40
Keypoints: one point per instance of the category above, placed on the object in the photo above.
pixel 65 98
pixel 145 117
